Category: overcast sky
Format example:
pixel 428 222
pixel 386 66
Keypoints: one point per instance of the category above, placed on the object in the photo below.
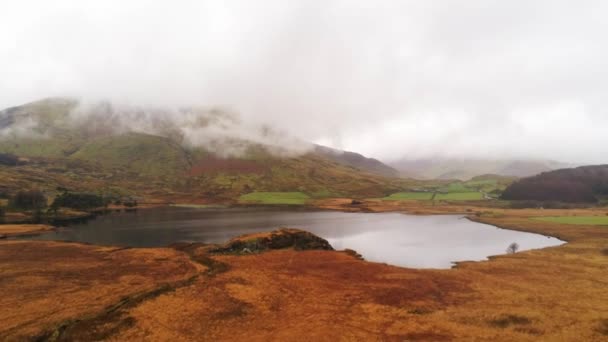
pixel 497 79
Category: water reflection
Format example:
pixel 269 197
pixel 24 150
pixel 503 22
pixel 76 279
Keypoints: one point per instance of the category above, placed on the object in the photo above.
pixel 404 240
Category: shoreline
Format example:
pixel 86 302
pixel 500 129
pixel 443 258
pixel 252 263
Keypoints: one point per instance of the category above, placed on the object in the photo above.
pixel 506 297
pixel 47 228
pixel 21 230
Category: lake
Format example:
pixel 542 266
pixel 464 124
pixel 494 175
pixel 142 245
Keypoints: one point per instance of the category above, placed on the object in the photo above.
pixel 398 239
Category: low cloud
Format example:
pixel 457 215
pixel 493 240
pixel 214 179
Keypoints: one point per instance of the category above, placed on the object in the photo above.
pixel 217 130
pixel 483 79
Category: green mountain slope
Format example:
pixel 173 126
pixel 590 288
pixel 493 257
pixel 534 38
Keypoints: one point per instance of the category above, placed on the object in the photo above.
pixel 86 154
pixel 141 153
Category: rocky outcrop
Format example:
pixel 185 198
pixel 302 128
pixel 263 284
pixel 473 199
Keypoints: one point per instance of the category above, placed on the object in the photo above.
pixel 278 239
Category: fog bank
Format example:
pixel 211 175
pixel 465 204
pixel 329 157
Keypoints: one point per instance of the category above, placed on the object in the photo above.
pixel 480 79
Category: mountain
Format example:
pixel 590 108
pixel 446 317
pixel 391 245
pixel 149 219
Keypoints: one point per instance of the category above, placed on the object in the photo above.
pixel 105 148
pixel 581 184
pixel 464 169
pixel 357 161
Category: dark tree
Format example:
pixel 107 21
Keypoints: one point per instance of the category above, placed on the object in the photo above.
pixel 513 248
pixel 81 201
pixel 28 200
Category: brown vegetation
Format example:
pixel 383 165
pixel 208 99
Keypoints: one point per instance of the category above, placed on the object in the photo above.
pixel 22 229
pixel 47 285
pixel 213 164
pixel 550 294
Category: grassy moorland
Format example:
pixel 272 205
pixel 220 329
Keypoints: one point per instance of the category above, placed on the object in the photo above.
pixel 191 293
pixel 52 284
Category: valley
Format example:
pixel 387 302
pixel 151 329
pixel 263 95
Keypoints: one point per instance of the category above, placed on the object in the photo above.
pixel 191 292
pixel 303 170
pixel 132 235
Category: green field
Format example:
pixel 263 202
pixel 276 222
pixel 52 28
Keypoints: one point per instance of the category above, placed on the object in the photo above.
pixel 421 196
pixel 589 220
pixel 456 187
pixel 275 198
pixel 456 191
pixel 409 196
pixel 487 185
pixel 460 196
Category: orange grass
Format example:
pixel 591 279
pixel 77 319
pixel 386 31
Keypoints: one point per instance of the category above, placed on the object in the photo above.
pixel 551 294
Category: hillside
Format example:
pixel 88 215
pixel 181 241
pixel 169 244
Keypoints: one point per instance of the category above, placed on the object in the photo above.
pixel 357 161
pixel 581 184
pixel 464 169
pixel 85 152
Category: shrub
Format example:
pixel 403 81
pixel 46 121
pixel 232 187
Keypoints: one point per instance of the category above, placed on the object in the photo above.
pixel 78 201
pixel 28 200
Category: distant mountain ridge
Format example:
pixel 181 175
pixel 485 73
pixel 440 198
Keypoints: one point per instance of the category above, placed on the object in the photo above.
pixel 464 169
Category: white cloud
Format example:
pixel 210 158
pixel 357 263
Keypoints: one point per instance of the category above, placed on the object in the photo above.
pixel 389 78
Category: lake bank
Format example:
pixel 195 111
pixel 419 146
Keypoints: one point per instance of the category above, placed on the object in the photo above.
pixel 431 241
pixel 20 230
pixel 321 295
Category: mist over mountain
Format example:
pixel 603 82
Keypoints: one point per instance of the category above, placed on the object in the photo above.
pixel 61 127
pixel 465 169
pixel 194 152
pixel 480 80
pixel 218 130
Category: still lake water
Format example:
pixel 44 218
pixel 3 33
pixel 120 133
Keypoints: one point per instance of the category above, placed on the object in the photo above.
pixel 404 240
